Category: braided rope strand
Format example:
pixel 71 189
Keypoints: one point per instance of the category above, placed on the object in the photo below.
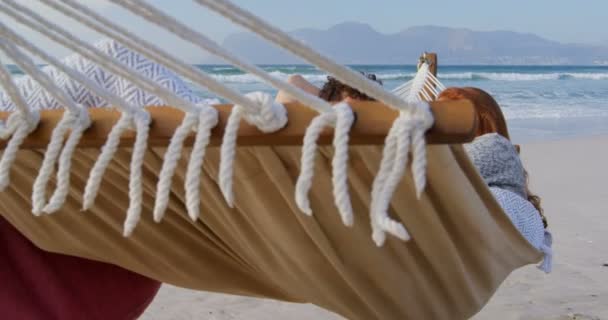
pixel 208 119
pixel 142 123
pixel 171 159
pixel 344 121
pixel 309 150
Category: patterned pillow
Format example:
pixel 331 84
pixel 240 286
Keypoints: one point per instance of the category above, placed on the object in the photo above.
pixel 39 98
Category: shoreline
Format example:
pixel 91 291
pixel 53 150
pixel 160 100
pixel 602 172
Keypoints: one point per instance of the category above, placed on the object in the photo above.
pixel 524 131
pixel 568 174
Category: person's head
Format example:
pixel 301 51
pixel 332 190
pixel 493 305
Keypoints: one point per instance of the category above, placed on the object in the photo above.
pixel 335 91
pixel 490 119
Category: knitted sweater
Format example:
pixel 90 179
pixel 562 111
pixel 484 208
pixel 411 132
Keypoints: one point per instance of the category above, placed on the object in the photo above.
pixel 499 165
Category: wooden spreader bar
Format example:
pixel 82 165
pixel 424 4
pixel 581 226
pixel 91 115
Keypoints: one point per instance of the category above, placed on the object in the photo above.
pixel 455 122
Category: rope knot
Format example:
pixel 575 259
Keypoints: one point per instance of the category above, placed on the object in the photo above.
pixel 78 117
pixel 422 116
pixel 270 116
pixel 139 118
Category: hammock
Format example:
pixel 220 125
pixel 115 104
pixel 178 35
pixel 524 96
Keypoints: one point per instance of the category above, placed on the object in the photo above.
pixel 234 219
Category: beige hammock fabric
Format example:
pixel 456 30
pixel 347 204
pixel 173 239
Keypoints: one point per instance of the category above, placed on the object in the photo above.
pixel 463 245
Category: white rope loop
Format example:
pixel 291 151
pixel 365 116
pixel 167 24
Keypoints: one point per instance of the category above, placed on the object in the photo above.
pixel 171 158
pixel 20 129
pixel 142 125
pixel 407 134
pixel 309 151
pixel 78 121
pixel 342 118
pixel 126 122
pixel 193 121
pixel 394 151
pixel 208 119
pixel 270 117
pixel 344 121
pixel 423 119
pixel 18 125
pixel 75 118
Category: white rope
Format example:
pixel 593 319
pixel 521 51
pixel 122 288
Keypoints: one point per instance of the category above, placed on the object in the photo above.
pixel 77 76
pixel 27 65
pixel 208 119
pixel 191 122
pixel 141 120
pixel 36 22
pixel 107 153
pixel 159 18
pixel 380 221
pixel 309 150
pixel 75 118
pixel 282 39
pixel 108 149
pixel 77 121
pixel 271 117
pixel 407 133
pixel 18 125
pixel 29 116
pixel 342 119
pixel 20 132
pixel 135 182
pixel 402 89
pixel 413 89
pixel 436 82
pixel 346 75
pixel 104 26
pixel 423 119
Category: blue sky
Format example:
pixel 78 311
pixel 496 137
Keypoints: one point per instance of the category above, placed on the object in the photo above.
pixel 582 21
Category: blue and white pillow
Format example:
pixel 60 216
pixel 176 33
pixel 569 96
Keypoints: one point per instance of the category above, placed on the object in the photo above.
pixel 39 99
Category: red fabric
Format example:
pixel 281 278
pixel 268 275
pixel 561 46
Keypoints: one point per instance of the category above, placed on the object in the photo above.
pixel 35 284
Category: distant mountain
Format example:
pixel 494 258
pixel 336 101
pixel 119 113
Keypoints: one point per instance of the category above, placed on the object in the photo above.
pixel 357 43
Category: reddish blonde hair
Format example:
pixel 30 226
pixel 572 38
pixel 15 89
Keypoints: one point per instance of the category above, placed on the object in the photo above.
pixel 489 116
pixel 490 119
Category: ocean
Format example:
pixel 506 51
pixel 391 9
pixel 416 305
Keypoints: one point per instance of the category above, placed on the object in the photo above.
pixel 540 102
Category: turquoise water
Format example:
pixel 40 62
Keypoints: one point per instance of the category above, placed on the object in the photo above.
pixel 540 102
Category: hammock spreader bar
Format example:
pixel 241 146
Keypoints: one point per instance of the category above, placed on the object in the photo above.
pixel 455 122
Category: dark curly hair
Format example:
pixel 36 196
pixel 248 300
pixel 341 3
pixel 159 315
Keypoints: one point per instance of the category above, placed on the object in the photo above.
pixel 334 90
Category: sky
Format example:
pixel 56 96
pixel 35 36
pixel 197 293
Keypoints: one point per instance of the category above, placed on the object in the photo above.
pixel 582 21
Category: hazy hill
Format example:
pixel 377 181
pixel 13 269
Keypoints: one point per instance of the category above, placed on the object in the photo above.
pixel 357 43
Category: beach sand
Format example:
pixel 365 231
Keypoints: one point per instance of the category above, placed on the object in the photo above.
pixel 569 175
